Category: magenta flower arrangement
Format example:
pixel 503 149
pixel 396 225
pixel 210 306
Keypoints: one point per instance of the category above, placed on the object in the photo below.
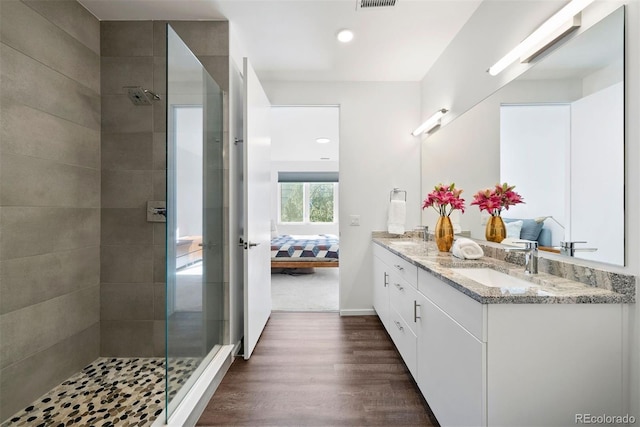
pixel 444 199
pixel 493 200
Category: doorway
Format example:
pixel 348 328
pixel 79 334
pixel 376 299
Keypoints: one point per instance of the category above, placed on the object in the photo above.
pixel 305 273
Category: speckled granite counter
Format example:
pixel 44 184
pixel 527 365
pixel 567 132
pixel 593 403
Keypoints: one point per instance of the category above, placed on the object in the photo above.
pixel 546 288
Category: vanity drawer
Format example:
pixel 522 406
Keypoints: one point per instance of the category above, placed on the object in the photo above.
pixel 469 313
pixel 405 340
pixel 402 298
pixel 399 266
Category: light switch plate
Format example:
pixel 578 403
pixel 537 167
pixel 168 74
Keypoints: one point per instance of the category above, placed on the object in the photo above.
pixel 354 220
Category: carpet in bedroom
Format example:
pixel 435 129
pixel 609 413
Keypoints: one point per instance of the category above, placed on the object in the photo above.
pixel 305 292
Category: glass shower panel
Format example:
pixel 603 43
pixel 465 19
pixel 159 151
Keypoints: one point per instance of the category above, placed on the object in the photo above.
pixel 195 309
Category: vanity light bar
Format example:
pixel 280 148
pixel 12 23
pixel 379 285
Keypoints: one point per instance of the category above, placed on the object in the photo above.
pixel 430 123
pixel 546 34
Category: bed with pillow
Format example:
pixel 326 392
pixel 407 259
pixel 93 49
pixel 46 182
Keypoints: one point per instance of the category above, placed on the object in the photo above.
pixel 528 229
pixel 304 251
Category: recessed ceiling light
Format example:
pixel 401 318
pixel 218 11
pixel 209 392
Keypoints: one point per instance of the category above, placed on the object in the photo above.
pixel 322 140
pixel 345 36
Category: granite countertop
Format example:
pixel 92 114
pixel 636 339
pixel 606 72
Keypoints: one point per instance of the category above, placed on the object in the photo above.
pixel 545 288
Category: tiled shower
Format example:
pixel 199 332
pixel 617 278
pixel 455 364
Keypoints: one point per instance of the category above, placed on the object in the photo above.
pixel 82 273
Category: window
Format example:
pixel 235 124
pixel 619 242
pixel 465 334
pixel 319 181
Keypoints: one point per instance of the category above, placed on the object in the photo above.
pixel 306 202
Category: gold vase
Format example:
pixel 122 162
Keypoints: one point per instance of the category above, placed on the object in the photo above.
pixel 495 231
pixel 444 234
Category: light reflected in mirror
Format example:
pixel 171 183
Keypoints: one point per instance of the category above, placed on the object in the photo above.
pixel 557 133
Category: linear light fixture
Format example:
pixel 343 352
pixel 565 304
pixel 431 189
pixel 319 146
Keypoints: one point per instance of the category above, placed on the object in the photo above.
pixel 430 123
pixel 546 35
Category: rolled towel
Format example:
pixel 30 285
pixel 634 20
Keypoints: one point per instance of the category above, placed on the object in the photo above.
pixel 397 216
pixel 466 249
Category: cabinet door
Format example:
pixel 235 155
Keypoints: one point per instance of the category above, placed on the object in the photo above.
pixel 451 368
pixel 381 291
pixel 404 339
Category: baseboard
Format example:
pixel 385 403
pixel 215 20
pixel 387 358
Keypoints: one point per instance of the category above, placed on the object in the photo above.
pixel 193 405
pixel 358 312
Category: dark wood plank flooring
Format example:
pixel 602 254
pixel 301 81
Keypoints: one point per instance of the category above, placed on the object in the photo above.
pixel 319 369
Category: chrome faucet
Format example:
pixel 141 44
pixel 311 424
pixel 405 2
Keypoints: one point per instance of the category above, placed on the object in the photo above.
pixel 568 248
pixel 530 255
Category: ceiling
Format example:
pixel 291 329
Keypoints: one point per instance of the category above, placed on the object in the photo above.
pixel 294 40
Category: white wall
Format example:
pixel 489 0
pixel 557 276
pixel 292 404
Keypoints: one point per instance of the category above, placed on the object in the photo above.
pixel 458 80
pixel 377 153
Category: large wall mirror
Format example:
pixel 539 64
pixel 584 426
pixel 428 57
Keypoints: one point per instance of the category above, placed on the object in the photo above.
pixel 557 133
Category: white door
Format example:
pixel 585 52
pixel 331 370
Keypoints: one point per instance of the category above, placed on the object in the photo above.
pixel 257 206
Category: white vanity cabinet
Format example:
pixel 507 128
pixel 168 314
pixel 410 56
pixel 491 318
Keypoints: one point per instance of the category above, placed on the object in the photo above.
pixel 394 297
pixel 502 364
pixel 451 353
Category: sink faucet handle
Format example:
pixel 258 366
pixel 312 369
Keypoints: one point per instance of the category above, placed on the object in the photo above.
pixel 529 244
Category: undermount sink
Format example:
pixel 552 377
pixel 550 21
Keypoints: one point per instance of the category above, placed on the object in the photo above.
pixel 493 278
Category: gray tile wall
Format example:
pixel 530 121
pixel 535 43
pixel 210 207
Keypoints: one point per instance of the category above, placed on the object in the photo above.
pixel 130 302
pixel 49 196
pixel 133 53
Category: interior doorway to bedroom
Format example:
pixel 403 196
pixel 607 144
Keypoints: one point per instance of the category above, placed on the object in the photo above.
pixel 305 272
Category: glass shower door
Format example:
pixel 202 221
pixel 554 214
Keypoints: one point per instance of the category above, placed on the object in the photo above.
pixel 195 309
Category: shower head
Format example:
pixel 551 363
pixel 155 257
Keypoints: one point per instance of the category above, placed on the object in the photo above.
pixel 140 96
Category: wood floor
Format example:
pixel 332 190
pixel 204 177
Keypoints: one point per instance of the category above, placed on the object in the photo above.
pixel 319 369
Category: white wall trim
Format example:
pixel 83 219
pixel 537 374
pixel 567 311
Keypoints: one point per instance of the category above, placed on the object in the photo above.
pixel 358 312
pixel 197 398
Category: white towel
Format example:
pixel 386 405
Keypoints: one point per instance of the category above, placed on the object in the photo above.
pixel 466 249
pixel 397 216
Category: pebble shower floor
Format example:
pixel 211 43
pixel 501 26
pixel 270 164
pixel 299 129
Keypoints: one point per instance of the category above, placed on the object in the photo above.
pixel 123 392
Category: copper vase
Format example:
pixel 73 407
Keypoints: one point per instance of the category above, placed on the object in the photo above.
pixel 444 234
pixel 495 231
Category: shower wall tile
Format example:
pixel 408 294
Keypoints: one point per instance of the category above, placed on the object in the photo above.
pixel 159 302
pixel 126 189
pixel 22 181
pixel 126 264
pixel 25 381
pixel 27 31
pixel 34 133
pixel 38 86
pixel 28 231
pixel 71 17
pixel 35 328
pixel 159 263
pixel 126 38
pixel 125 226
pixel 120 115
pixel 160 74
pixel 159 150
pixel 159 185
pixel 32 280
pixel 49 195
pixel 160 38
pixel 218 68
pixel 127 301
pixel 160 234
pixel 159 338
pixel 118 72
pixel 127 151
pixel 126 338
pixel 160 116
pixel 204 38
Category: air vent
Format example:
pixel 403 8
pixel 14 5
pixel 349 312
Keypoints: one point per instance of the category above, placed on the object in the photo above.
pixel 362 4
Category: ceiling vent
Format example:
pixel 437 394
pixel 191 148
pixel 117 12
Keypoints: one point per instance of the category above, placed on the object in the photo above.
pixel 366 4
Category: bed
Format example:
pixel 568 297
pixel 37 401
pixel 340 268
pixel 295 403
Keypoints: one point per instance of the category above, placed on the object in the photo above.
pixel 304 251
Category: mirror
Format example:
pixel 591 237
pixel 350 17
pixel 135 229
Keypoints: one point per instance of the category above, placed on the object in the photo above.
pixel 557 133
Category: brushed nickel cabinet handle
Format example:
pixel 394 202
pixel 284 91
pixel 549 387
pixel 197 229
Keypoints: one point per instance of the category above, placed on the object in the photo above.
pixel 415 311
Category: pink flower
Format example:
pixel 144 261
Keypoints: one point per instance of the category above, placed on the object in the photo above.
pixel 444 199
pixel 494 200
